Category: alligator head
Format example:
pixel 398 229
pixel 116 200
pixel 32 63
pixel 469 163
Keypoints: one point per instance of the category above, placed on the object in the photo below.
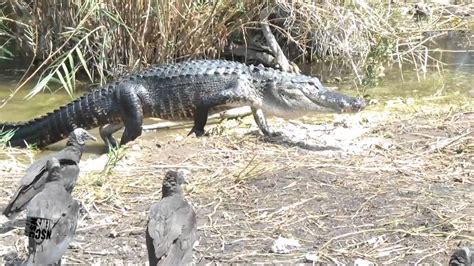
pixel 301 94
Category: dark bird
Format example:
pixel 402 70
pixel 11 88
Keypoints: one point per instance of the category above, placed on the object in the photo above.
pixel 36 175
pixel 171 230
pixel 51 219
pixel 462 257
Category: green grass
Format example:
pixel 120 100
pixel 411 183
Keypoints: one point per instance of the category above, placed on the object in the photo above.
pixel 5 137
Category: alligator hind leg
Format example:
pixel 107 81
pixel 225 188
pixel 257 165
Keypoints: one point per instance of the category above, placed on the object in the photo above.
pixel 132 114
pixel 106 133
pixel 200 120
pixel 131 133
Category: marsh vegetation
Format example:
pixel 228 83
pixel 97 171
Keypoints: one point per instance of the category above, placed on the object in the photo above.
pixel 95 40
pixel 398 191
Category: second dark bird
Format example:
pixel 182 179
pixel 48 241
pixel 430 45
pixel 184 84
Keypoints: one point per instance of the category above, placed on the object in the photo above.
pixel 171 231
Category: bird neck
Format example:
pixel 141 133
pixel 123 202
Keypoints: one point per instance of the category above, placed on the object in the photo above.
pixel 54 182
pixel 75 149
pixel 168 191
pixel 73 143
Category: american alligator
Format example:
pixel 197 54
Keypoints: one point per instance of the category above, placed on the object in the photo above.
pixel 187 90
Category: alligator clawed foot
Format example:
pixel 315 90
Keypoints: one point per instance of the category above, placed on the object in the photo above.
pixel 112 146
pixel 271 134
pixel 276 134
pixel 197 132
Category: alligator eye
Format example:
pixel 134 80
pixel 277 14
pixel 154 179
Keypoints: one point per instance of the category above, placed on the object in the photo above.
pixel 283 94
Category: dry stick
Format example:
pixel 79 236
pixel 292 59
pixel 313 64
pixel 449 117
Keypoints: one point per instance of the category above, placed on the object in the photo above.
pixel 445 142
pixel 215 118
pixel 250 53
pixel 146 21
pixel 272 42
pixel 95 226
pixel 170 166
pixel 413 48
pixel 365 203
pixel 102 253
pixel 351 234
pixel 209 216
pixel 429 255
pixel 68 258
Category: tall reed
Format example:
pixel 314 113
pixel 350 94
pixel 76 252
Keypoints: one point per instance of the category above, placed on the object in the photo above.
pixel 103 38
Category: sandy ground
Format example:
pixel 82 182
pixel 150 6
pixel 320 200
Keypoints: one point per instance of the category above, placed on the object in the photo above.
pixel 386 190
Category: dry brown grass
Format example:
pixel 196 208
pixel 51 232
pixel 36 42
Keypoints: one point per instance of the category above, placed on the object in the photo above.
pixel 407 198
pixel 102 39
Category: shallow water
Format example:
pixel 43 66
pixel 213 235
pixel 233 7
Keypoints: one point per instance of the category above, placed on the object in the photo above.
pixel 449 85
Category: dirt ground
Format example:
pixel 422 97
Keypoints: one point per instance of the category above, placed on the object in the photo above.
pixel 398 191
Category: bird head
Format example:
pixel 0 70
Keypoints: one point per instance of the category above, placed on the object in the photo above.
pixel 173 181
pixel 79 136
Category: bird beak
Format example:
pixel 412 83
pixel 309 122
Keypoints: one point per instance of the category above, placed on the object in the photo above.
pixel 184 174
pixel 90 137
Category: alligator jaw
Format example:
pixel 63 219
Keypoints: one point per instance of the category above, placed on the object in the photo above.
pixel 325 99
pixel 337 101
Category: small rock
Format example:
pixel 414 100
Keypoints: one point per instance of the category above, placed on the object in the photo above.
pixel 94 165
pixel 285 245
pixel 179 138
pixel 310 257
pixel 106 220
pixel 136 147
pixel 422 10
pixel 113 233
pixel 373 102
pixel 376 241
pixel 362 262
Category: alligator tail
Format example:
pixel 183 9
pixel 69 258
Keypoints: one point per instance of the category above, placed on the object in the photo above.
pixel 88 111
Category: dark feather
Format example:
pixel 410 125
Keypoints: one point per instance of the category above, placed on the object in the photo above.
pixel 36 174
pixel 171 230
pixel 55 204
pixel 462 257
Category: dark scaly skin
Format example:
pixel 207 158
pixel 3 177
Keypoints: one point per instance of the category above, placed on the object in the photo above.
pixel 182 91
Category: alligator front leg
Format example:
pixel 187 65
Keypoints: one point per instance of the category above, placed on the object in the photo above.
pixel 262 123
pixel 200 120
pixel 283 137
pixel 106 133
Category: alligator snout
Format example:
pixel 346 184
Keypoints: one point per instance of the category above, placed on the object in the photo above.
pixel 338 102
